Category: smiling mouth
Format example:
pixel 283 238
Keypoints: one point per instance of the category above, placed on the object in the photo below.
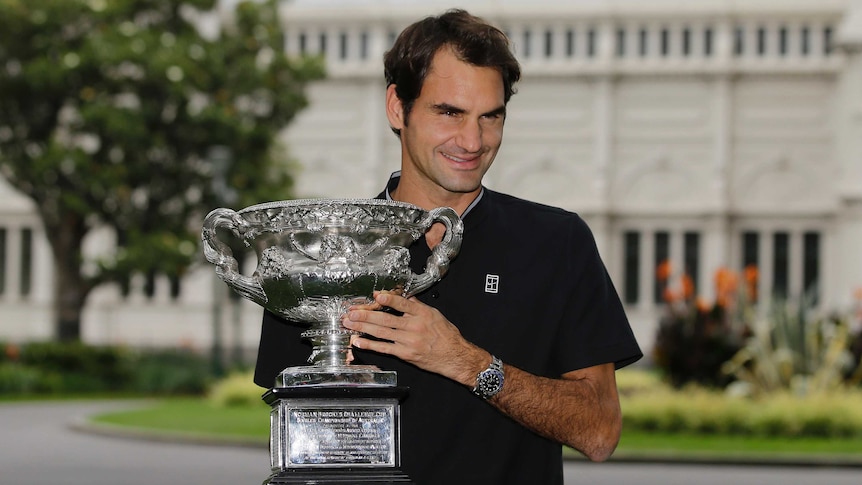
pixel 460 159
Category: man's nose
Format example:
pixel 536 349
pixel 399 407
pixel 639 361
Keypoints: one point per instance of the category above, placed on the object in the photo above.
pixel 470 136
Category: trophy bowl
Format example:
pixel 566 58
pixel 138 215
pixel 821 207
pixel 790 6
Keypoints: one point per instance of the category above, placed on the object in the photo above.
pixel 318 257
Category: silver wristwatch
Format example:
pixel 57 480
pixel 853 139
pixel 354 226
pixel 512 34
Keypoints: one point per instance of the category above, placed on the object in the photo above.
pixel 490 381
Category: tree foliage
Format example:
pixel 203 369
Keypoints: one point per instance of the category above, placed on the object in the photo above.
pixel 111 112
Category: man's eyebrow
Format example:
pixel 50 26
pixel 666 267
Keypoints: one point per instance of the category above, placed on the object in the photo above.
pixel 501 111
pixel 446 107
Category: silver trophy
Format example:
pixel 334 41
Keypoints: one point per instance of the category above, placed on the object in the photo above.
pixel 315 259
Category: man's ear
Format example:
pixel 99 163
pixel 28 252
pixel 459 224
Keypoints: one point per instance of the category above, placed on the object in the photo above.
pixel 394 108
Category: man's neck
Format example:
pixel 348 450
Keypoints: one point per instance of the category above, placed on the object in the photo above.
pixel 431 199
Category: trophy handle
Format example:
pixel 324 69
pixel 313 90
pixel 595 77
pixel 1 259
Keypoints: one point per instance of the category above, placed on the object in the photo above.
pixel 438 262
pixel 221 255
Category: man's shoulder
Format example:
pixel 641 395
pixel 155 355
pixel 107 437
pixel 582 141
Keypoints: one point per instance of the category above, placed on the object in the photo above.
pixel 511 206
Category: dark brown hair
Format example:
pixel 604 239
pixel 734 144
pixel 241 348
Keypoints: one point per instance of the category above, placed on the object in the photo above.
pixel 472 39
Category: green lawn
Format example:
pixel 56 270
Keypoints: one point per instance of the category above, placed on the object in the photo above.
pixel 250 424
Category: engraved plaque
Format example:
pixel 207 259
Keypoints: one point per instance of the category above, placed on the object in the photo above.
pixel 346 433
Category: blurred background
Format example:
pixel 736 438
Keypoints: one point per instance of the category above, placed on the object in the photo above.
pixel 714 147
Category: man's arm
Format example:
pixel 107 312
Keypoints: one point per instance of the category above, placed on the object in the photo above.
pixel 580 410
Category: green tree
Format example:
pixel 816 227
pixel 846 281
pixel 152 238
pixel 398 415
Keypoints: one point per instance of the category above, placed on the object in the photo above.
pixel 110 113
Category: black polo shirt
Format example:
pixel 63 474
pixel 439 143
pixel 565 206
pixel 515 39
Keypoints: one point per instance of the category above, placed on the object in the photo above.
pixel 528 285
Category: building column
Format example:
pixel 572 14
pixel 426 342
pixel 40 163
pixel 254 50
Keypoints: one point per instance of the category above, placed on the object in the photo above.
pixel 848 122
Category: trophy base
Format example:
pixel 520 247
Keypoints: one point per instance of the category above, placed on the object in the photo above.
pixel 340 477
pixel 336 376
pixel 335 435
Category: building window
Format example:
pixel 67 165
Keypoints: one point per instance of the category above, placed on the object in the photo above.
pixel 303 43
pixel 686 42
pixel 707 42
pixel 621 42
pixel 26 282
pixel 631 266
pixel 549 43
pixel 591 43
pixel 811 266
pixel 827 41
pixel 342 45
pixel 527 40
pixel 739 41
pixel 761 41
pixel 363 45
pixel 570 43
pixel 691 257
pixel 322 40
pixel 782 41
pixel 805 41
pixel 2 261
pixel 661 255
pixel 781 265
pixel 643 42
pixel 665 42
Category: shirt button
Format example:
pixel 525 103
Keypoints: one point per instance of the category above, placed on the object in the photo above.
pixel 435 294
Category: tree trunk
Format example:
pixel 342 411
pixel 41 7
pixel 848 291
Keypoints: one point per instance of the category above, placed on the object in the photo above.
pixel 70 286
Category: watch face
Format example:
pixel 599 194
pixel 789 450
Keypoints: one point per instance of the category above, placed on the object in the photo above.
pixel 490 383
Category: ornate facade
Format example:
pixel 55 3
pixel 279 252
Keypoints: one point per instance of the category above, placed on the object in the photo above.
pixel 712 134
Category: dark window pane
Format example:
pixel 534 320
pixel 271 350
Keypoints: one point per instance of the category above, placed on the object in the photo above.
pixel 591 43
pixel 761 41
pixel 2 261
pixel 780 264
pixel 621 42
pixel 643 42
pixel 661 255
pixel 342 45
pixel 631 265
pixel 549 43
pixel 665 42
pixel 782 41
pixel 686 42
pixel 739 41
pixel 750 249
pixel 692 258
pixel 26 261
pixel 811 266
pixel 805 41
pixel 707 42
pixel 570 43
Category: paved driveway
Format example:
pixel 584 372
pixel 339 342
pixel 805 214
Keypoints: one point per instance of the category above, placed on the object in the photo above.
pixel 37 447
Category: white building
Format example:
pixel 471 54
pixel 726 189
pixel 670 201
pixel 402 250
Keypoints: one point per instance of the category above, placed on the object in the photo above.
pixel 713 133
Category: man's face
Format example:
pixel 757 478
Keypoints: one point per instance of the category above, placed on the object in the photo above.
pixel 453 131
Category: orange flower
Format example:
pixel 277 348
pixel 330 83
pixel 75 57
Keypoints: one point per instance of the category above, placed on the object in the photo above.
pixel 663 270
pixel 13 352
pixel 687 287
pixel 751 276
pixel 669 295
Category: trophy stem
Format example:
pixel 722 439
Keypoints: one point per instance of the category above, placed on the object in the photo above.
pixel 330 343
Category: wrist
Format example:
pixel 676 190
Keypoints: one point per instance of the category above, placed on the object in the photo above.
pixel 490 381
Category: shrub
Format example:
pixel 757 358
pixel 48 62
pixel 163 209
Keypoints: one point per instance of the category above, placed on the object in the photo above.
pixel 791 349
pixel 171 371
pixel 695 409
pixel 75 367
pixel 694 338
pixel 236 390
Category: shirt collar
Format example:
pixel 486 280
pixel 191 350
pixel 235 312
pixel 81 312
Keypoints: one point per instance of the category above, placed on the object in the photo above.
pixel 395 177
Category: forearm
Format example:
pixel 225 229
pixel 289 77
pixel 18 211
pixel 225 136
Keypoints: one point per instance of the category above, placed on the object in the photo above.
pixel 581 411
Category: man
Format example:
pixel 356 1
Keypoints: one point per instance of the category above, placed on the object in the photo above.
pixel 513 352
